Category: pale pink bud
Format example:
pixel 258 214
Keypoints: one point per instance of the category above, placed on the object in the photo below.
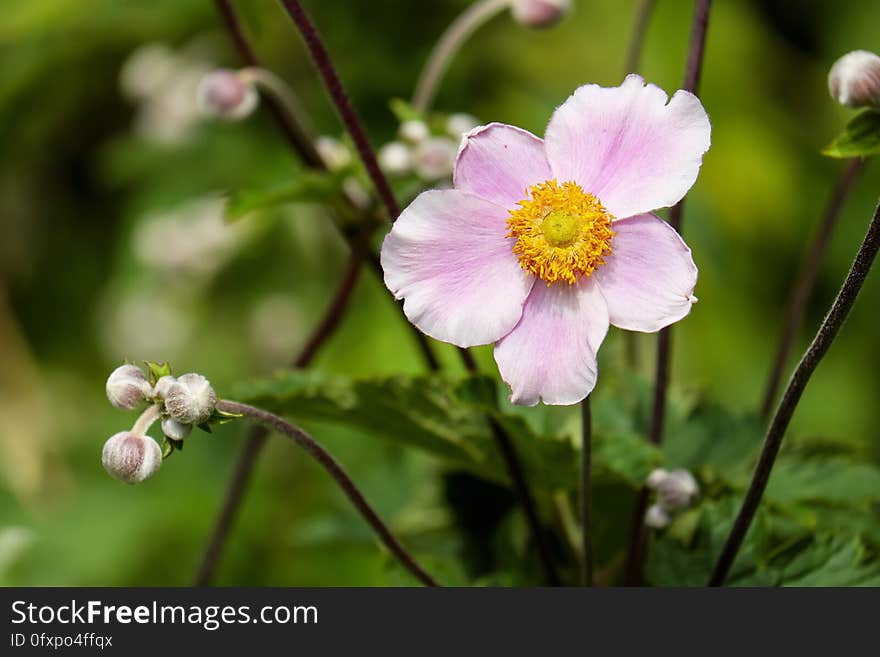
pixel 163 385
pixel 131 458
pixel 854 80
pixel 414 131
pixel 127 387
pixel 174 429
pixel 539 13
pixel 435 158
pixel 395 158
pixel 657 517
pixel 190 399
pixel 224 94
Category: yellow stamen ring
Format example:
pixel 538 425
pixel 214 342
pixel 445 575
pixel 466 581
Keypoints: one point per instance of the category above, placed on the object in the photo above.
pixel 561 231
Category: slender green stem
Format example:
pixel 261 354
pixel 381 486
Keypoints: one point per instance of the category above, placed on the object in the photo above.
pixel 693 73
pixel 586 491
pixel 335 470
pixel 806 280
pixel 840 309
pixel 637 39
pixel 468 22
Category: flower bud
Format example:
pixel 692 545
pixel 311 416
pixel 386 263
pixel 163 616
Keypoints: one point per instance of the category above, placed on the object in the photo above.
pixel 131 458
pixel 224 94
pixel 435 158
pixel 854 80
pixel 414 131
pixel 395 158
pixel 163 385
pixel 174 429
pixel 657 517
pixel 333 152
pixel 539 13
pixel 459 124
pixel 675 490
pixel 127 387
pixel 190 399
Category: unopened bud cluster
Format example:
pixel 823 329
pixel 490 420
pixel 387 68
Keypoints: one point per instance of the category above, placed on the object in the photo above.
pixel 180 402
pixel 675 490
pixel 428 154
pixel 854 80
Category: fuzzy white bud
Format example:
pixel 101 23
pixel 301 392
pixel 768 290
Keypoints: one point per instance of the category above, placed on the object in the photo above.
pixel 854 79
pixel 163 385
pixel 131 458
pixel 226 95
pixel 395 158
pixel 459 124
pixel 190 399
pixel 675 490
pixel 174 429
pixel 414 131
pixel 539 13
pixel 127 387
pixel 333 152
pixel 435 158
pixel 657 517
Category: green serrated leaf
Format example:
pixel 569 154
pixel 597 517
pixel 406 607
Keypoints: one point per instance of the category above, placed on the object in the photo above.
pixel 829 480
pixel 627 457
pixel 446 418
pixel 308 187
pixel 713 436
pixel 860 137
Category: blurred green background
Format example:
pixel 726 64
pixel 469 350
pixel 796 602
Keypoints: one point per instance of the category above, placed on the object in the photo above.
pixel 90 274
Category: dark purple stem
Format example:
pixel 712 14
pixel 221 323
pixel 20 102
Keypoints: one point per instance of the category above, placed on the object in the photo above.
pixel 341 101
pixel 519 483
pixel 692 75
pixel 840 309
pixel 586 490
pixel 258 435
pixel 296 135
pixel 335 470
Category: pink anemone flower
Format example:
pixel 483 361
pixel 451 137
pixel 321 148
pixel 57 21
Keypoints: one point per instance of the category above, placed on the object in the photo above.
pixel 544 243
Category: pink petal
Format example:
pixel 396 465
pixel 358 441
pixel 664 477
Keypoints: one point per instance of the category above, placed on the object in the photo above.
pixel 627 146
pixel 649 278
pixel 499 163
pixel 551 354
pixel 448 258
